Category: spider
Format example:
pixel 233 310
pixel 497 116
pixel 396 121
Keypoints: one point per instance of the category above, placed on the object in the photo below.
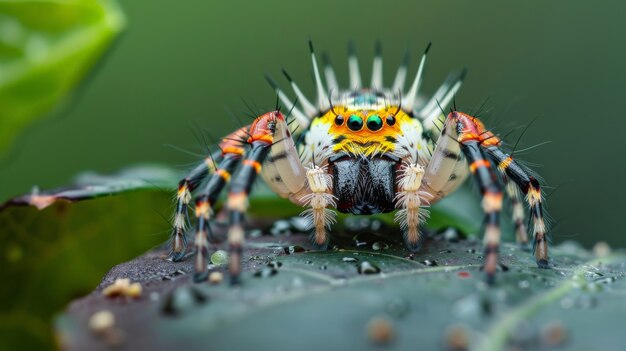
pixel 360 151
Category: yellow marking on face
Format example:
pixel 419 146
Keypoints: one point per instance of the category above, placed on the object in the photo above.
pixel 365 140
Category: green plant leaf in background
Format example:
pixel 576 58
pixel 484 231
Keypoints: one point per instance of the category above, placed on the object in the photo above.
pixel 46 47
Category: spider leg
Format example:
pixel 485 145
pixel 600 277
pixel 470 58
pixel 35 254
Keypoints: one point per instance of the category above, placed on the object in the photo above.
pixel 475 140
pixel 205 202
pixel 531 188
pixel 183 196
pixel 262 132
pixel 481 169
pixel 521 236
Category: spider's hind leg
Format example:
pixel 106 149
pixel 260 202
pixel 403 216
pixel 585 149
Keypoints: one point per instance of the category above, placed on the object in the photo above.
pixel 517 209
pixel 186 186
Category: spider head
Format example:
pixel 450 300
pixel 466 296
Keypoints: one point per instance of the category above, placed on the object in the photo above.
pixel 367 151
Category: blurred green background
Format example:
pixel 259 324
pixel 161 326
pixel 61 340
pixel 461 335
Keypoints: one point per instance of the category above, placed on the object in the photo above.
pixel 179 64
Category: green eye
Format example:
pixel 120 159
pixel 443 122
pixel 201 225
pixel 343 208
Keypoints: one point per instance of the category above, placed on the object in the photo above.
pixel 374 123
pixel 355 123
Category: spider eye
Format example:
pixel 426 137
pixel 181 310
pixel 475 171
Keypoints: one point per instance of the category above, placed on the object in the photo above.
pixel 374 123
pixel 339 120
pixel 355 123
pixel 391 120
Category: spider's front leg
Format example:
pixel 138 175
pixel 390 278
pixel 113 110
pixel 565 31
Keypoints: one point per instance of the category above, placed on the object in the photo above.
pixel 272 150
pixel 232 149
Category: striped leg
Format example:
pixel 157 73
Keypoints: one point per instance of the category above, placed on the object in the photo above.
pixel 531 188
pixel 185 187
pixel 204 209
pixel 512 192
pixel 470 132
pixel 491 202
pixel 471 129
pixel 261 140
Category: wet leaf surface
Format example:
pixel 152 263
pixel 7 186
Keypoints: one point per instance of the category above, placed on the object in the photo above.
pixel 46 47
pixel 322 300
pixel 364 292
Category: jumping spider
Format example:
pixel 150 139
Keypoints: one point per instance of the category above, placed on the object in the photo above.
pixel 360 151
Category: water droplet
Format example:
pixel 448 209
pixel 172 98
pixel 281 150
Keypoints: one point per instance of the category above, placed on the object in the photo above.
pixel 308 262
pixel 398 308
pixel 429 263
pixel 605 280
pixel 323 267
pixel 410 256
pixel 255 233
pixel 274 264
pixel 524 284
pixel 300 224
pixel 586 301
pixel 376 225
pixel 523 335
pixel 366 267
pixel 350 259
pixel 293 249
pixel 380 245
pixel 265 272
pixel 567 303
pixel 281 227
pixel 355 223
pixel 219 257
pixel 593 275
pixel 450 234
pixel 364 238
pixel 471 251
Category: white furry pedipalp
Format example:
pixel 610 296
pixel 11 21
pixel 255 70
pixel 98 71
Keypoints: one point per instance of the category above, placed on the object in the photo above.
pixel 320 197
pixel 409 200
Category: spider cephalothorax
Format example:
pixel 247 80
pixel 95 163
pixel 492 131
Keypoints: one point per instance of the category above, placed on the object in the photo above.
pixel 361 151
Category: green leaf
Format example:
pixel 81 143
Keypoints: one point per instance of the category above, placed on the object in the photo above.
pixel 46 47
pixel 49 257
pixel 318 300
pixel 91 185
